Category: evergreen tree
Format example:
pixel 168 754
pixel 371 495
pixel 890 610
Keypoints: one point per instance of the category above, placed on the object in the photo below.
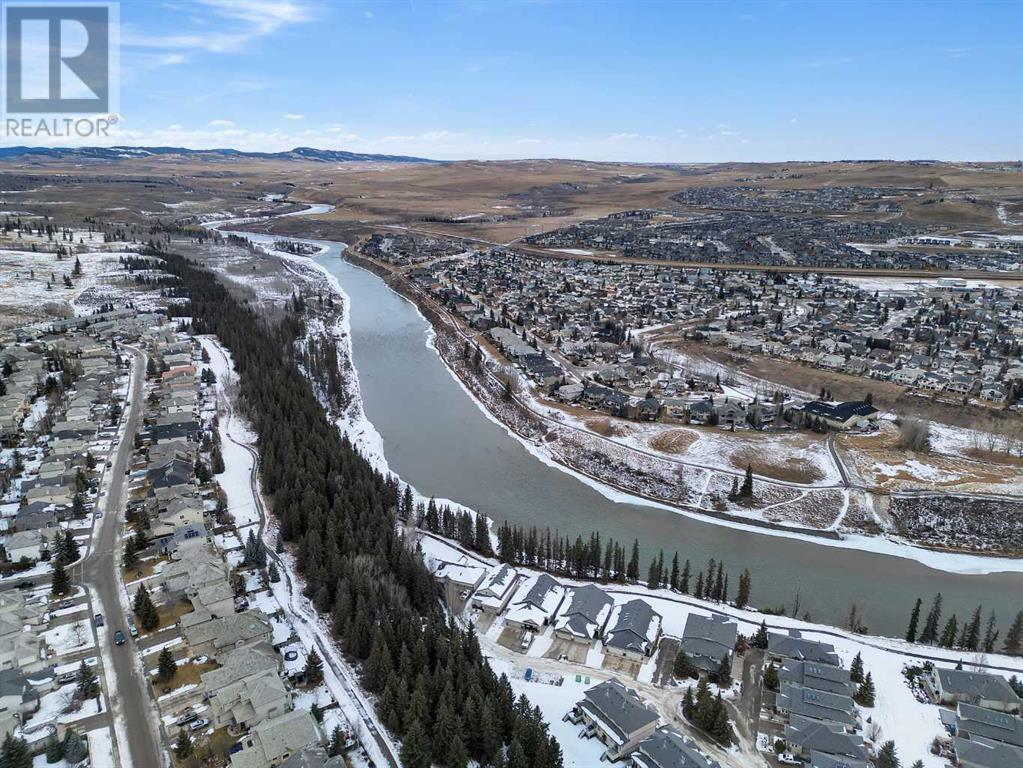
pixel 865 693
pixel 183 745
pixel 75 750
pixel 683 668
pixel 948 634
pixel 745 584
pixel 760 639
pixel 856 669
pixel 886 756
pixel 273 574
pixel 415 747
pixel 914 620
pixel 673 582
pixel 60 583
pixel 971 632
pixel 746 491
pixel 14 753
pixel 167 667
pixel 54 749
pixel 1013 644
pixel 86 683
pixel 930 632
pixel 130 559
pixel 145 611
pixel 771 681
pixel 723 675
pixel 632 571
pixel 313 668
pixel 683 583
pixel 990 634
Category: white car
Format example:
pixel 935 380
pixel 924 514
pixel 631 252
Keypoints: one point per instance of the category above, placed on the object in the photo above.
pixel 787 758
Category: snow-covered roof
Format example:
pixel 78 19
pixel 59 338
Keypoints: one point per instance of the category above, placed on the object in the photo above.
pixel 536 601
pixel 587 612
pixel 634 627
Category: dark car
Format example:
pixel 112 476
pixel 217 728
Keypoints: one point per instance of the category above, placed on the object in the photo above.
pixel 25 585
pixel 185 719
pixel 98 620
pixel 118 637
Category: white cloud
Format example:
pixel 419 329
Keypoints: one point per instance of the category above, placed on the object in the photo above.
pixel 294 117
pixel 228 27
pixel 220 124
pixel 368 15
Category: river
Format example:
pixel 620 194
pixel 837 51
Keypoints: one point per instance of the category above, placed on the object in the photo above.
pixel 436 438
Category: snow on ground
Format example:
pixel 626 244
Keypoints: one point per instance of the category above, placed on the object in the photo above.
pixel 912 724
pixel 554 701
pixel 101 747
pixel 235 433
pixel 69 638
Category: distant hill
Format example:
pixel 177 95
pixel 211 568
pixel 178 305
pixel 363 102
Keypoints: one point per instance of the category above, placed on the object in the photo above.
pixel 127 153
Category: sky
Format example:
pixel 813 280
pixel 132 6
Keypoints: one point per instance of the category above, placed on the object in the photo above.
pixel 630 81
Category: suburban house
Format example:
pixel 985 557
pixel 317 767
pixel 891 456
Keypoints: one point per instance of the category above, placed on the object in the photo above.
pixel 707 640
pixel 634 630
pixel 272 742
pixel 535 603
pixel 17 696
pixel 615 715
pixel 979 752
pixel 496 590
pixel 667 748
pixel 218 635
pixel 584 619
pixel 973 722
pixel 951 686
pixel 458 578
pixel 820 677
pixel 27 545
pixel 794 699
pixel 824 760
pixel 794 646
pixel 805 736
pixel 841 416
pixel 247 689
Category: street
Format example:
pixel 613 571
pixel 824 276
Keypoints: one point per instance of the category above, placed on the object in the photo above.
pixel 128 691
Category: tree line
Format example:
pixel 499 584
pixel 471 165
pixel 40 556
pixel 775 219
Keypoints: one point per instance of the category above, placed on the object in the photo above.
pixel 434 689
pixel 972 634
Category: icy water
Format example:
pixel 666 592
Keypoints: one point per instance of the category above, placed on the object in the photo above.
pixel 436 438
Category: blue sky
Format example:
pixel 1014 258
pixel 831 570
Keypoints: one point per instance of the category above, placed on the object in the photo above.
pixel 641 81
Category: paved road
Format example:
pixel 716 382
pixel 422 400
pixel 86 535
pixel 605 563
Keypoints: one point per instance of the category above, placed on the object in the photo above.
pixel 751 691
pixel 131 700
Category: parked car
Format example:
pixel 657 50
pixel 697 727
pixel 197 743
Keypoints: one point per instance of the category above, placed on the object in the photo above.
pixel 66 603
pixel 787 758
pixel 527 640
pixel 118 637
pixel 132 629
pixel 189 717
pixel 198 725
pixel 98 620
pixel 67 677
pixel 25 585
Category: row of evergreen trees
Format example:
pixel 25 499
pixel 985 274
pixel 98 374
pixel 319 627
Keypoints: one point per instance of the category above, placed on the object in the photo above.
pixel 973 634
pixel 591 559
pixel 339 514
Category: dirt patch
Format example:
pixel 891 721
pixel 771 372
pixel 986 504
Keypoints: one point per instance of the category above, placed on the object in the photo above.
pixel 994 457
pixel 673 441
pixel 791 470
pixel 605 427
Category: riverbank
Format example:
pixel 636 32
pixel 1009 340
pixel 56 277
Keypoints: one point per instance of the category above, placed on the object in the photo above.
pixel 446 444
pixel 485 390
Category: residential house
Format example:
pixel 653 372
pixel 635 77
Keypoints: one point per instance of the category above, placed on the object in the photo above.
pixel 272 742
pixel 586 615
pixel 667 748
pixel 794 699
pixel 25 545
pixel 794 646
pixel 707 640
pixel 820 677
pixel 496 590
pixel 979 752
pixel 950 686
pixel 616 716
pixel 535 603
pixel 805 736
pixel 973 722
pixel 634 629
pixel 244 629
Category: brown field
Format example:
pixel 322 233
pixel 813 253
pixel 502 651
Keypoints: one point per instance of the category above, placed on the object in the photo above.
pixel 605 427
pixel 673 441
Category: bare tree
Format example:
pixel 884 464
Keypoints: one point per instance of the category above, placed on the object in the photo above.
pixel 915 435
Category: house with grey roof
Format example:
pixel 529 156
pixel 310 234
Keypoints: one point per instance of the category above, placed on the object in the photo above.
pixel 616 716
pixel 820 677
pixel 973 722
pixel 979 752
pixel 805 736
pixel 272 742
pixel 634 629
pixel 18 697
pixel 535 603
pixel 824 760
pixel 794 699
pixel 586 615
pixel 496 590
pixel 313 756
pixel 667 748
pixel 794 646
pixel 707 640
pixel 235 631
pixel 951 686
